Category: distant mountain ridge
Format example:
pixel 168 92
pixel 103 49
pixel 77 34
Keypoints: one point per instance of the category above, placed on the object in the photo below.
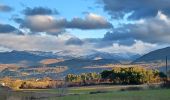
pixel 117 56
pixel 85 62
pixel 35 57
pixel 17 57
pixel 154 56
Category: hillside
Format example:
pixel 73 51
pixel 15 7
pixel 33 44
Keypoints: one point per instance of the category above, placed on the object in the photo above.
pixel 77 63
pixel 20 57
pixel 28 64
pixel 121 57
pixel 50 61
pixel 31 58
pixel 157 56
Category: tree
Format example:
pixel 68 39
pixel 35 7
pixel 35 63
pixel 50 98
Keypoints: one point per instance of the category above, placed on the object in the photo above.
pixel 131 75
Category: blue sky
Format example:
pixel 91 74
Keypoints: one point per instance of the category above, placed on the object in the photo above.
pixel 113 26
pixel 66 9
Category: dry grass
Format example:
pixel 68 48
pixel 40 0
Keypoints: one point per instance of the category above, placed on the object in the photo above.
pixel 10 66
pixel 50 61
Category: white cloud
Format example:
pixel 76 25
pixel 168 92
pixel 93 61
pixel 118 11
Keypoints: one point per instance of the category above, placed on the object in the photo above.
pixel 151 30
pixel 55 44
pixel 51 24
pixel 43 42
pixel 97 18
pixel 138 47
pixel 32 42
pixel 43 23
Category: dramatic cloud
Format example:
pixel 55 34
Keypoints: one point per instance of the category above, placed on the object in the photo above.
pixel 74 41
pixel 140 8
pixel 68 45
pixel 6 28
pixel 149 28
pixel 39 11
pixel 5 8
pixel 91 21
pixel 50 24
pixel 42 23
pixel 152 30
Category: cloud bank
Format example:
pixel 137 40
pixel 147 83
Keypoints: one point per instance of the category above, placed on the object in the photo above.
pixel 140 9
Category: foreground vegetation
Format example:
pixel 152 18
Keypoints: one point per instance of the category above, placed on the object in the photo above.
pixel 130 83
pixel 45 83
pixel 118 75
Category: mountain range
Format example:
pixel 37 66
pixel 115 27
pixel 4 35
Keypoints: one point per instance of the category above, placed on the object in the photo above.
pixel 28 64
pixel 34 57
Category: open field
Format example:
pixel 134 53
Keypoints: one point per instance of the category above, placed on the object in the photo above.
pixel 120 95
pixel 88 93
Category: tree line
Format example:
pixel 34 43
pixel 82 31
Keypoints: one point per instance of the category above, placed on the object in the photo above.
pixel 43 83
pixel 133 75
pixel 82 77
pixel 120 75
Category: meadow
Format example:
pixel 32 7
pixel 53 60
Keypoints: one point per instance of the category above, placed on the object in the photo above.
pixel 123 95
pixel 137 92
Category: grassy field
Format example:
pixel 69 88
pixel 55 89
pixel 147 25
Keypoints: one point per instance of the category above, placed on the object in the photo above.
pixel 88 93
pixel 163 94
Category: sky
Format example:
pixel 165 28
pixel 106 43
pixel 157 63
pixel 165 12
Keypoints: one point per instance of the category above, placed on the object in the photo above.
pixel 84 26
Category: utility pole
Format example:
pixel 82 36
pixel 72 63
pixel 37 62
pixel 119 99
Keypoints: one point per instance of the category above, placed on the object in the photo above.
pixel 167 66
